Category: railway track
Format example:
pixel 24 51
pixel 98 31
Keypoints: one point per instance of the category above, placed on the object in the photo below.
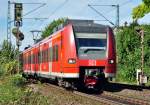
pixel 124 99
pixel 107 98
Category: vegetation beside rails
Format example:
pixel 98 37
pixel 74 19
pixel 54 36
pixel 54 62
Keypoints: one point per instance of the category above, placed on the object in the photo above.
pixel 129 52
pixel 13 91
pixel 13 87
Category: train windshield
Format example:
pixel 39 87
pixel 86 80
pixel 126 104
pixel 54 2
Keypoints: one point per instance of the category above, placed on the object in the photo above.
pixel 91 45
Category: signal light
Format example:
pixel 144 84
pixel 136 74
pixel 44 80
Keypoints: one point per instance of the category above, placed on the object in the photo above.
pixel 18 34
pixel 18 13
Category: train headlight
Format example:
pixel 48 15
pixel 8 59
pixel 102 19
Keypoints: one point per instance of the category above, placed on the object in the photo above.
pixel 111 61
pixel 71 60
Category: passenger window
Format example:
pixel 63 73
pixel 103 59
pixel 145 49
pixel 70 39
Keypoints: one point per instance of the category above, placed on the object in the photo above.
pixel 51 53
pixel 56 52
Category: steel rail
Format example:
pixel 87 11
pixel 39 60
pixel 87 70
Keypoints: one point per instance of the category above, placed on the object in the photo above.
pixel 105 98
pixel 108 98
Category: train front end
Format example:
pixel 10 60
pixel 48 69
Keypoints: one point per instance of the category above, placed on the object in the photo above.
pixel 96 53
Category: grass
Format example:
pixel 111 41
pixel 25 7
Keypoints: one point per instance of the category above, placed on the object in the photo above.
pixel 13 91
pixel 121 79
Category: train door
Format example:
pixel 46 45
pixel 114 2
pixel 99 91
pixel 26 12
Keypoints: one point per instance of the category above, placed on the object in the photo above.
pixel 32 61
pixel 44 60
pixel 29 61
pixel 36 60
pixel 56 48
pixel 50 56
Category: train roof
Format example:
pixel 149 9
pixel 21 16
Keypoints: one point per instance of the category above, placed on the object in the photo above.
pixel 86 26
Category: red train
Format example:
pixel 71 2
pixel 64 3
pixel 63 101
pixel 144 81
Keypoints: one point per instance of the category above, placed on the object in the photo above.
pixel 79 53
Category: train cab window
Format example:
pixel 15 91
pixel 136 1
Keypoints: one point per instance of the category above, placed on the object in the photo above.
pixel 91 45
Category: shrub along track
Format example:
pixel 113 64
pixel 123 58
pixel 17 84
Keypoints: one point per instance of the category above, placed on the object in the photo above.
pixel 105 97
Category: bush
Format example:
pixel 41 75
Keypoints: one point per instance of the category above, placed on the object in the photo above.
pixel 9 92
pixel 129 52
pixel 8 62
pixel 18 80
pixel 13 91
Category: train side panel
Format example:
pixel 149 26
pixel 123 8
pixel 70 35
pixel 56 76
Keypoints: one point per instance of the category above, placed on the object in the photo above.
pixel 69 54
pixel 110 69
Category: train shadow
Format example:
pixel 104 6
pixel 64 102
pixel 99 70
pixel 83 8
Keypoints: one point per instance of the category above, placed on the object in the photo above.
pixel 116 87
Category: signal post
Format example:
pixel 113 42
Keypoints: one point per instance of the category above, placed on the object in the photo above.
pixel 141 77
pixel 18 8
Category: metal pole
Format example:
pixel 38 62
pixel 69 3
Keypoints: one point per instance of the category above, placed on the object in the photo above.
pixel 35 36
pixel 142 51
pixel 117 22
pixel 9 23
pixel 17 42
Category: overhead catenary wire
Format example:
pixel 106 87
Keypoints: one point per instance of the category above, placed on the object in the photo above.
pixel 55 10
pixel 118 6
pixel 33 10
pixel 63 3
pixel 125 3
pixel 58 8
pixel 101 15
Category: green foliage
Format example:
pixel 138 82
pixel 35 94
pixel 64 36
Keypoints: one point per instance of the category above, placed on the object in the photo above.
pixel 9 91
pixel 146 2
pixel 49 29
pixel 129 52
pixel 141 10
pixel 8 62
pixel 17 80
pixel 14 92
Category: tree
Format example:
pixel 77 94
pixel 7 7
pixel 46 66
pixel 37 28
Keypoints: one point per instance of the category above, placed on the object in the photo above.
pixel 49 29
pixel 141 10
pixel 147 2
